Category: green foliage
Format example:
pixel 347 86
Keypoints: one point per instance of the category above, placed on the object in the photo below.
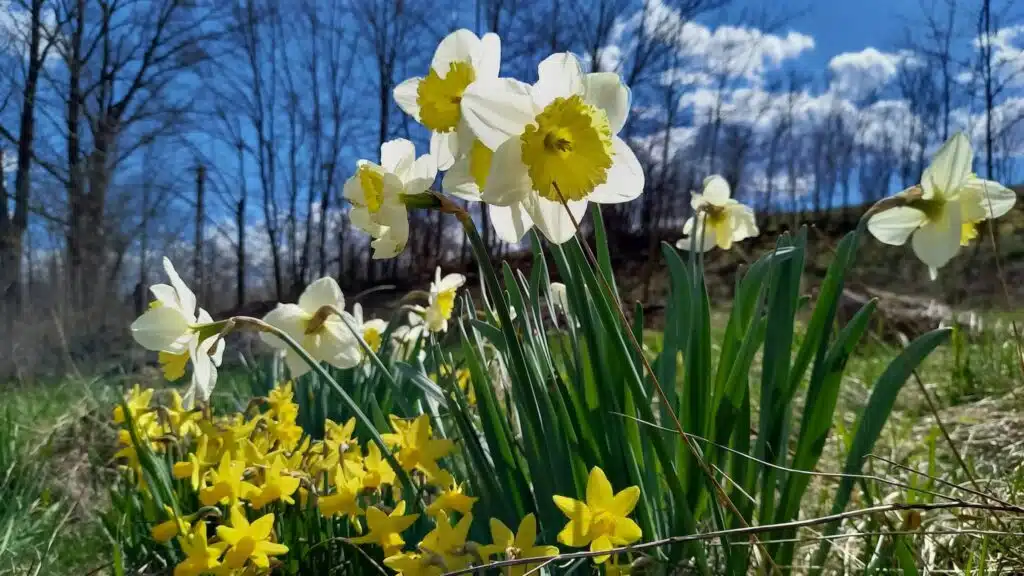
pixel 557 392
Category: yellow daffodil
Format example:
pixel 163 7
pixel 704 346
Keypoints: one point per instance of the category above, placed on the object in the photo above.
pixel 200 556
pixel 377 470
pixel 453 498
pixel 280 400
pixel 327 339
pixel 171 528
pixel 196 464
pixel 415 564
pixel 249 542
pixel 183 421
pixel 434 101
pixel 138 401
pixel 174 325
pixel 226 485
pixel 278 484
pixel 463 380
pixel 941 214
pixel 385 530
pixel 449 542
pixel 602 520
pixel 345 500
pixel 377 194
pixel 553 141
pixel 416 448
pixel 718 219
pixel 522 544
pixel 372 330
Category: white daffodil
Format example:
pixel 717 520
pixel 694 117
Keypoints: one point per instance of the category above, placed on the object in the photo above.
pixel 376 193
pixel 460 59
pixel 406 337
pixel 174 326
pixel 371 330
pixel 442 300
pixel 943 212
pixel 327 340
pixel 721 220
pixel 169 323
pixel 553 141
pixel 559 296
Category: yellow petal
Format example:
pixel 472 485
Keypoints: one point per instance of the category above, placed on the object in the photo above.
pixel 601 543
pixel 626 531
pixel 624 502
pixel 599 489
pixel 527 533
pixel 574 534
pixel 501 536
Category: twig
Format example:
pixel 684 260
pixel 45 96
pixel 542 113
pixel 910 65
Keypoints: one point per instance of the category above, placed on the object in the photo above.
pixel 940 480
pixel 748 530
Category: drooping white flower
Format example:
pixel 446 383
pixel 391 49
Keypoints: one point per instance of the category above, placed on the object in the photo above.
pixel 174 326
pixel 559 295
pixel 169 323
pixel 942 214
pixel 718 218
pixel 376 193
pixel 553 141
pixel 434 101
pixel 442 300
pixel 327 340
pixel 406 337
pixel 371 330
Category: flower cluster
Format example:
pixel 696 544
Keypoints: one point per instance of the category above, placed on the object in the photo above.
pixel 247 473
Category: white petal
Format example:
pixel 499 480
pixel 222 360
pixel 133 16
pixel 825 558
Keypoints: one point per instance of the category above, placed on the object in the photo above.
pixel 323 292
pixel 552 219
pixel 559 76
pixel 186 298
pixel 497 109
pixel 950 167
pixel 996 199
pixel 353 190
pixel 716 190
pixel 606 91
pixel 204 373
pixel 625 178
pixel 339 347
pixel 511 222
pixel 457 46
pixel 357 314
pixel 508 181
pixel 444 146
pixel 397 156
pixel 707 236
pixel 406 95
pixel 422 175
pixel 296 365
pixel 895 225
pixel 744 224
pixel 363 220
pixel 165 294
pixel 289 318
pixel 459 182
pixel 937 242
pixel 395 237
pixel 160 329
pixel 489 58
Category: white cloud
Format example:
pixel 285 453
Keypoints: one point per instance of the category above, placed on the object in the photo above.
pixel 856 75
pixel 738 51
pixel 15 29
pixel 1007 53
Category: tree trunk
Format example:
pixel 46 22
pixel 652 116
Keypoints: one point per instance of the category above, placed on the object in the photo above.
pixel 198 267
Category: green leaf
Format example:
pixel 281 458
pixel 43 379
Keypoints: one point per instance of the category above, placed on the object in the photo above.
pixel 873 418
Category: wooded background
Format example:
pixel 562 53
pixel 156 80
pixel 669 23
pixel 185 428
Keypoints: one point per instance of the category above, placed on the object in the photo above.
pixel 219 133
